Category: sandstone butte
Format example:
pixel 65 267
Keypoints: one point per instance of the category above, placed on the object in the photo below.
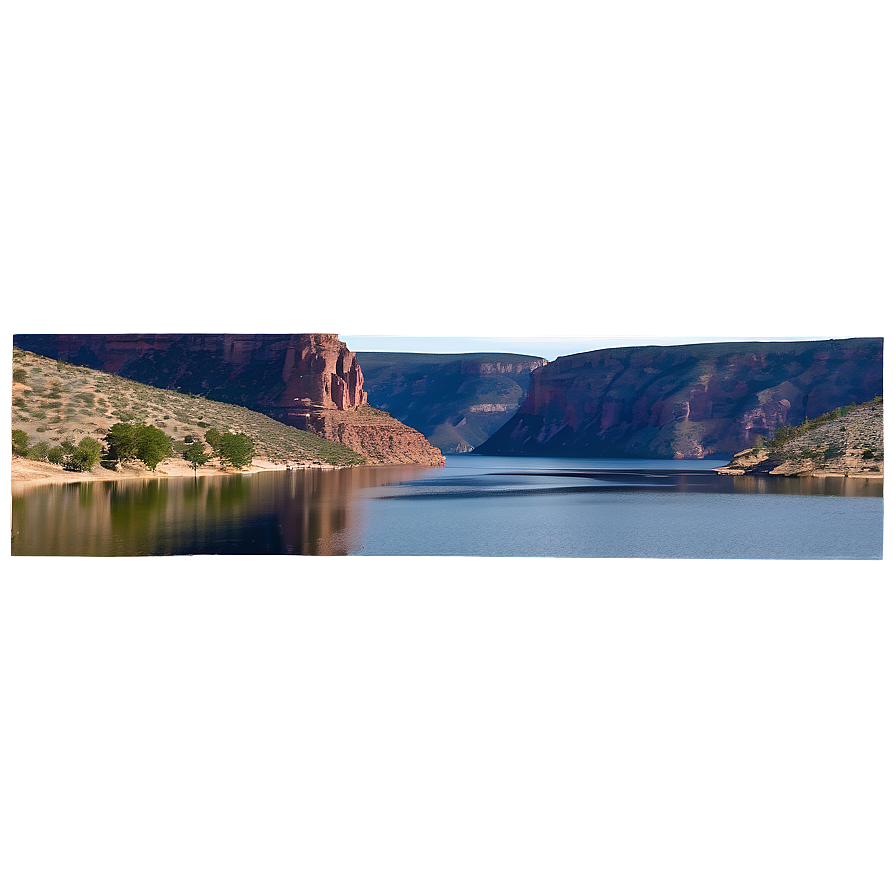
pixel 685 401
pixel 309 380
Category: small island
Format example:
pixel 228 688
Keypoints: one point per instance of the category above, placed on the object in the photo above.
pixel 848 441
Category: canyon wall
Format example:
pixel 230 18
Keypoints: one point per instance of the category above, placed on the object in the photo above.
pixel 686 401
pixel 456 400
pixel 298 379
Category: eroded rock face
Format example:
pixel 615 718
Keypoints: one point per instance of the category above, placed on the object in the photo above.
pixel 260 371
pixel 456 400
pixel 377 435
pixel 689 401
pixel 294 378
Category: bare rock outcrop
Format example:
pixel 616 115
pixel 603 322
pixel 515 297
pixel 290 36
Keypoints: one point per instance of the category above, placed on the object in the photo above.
pixel 376 435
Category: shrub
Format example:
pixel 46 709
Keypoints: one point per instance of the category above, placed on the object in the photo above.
pixel 19 442
pixel 867 454
pixel 19 375
pixel 56 455
pixel 86 455
pixel 38 451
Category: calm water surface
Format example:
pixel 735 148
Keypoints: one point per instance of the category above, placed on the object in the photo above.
pixel 485 506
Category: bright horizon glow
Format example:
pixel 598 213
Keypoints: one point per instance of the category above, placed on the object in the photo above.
pixel 548 347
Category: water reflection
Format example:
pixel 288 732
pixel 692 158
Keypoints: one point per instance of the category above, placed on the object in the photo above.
pixel 473 483
pixel 294 512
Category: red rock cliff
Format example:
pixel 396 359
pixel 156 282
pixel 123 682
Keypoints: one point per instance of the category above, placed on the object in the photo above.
pixel 296 378
pixel 685 401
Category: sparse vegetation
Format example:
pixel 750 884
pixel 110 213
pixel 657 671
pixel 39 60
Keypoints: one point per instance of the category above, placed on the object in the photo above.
pixel 787 433
pixel 66 402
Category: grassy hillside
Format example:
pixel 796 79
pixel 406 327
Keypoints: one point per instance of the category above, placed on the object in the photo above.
pixel 53 401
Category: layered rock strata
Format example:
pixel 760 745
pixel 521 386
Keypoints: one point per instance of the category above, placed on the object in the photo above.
pixel 376 435
pixel 686 401
pixel 456 400
pixel 298 379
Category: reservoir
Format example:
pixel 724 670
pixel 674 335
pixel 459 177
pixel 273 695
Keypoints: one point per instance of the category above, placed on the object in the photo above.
pixel 474 506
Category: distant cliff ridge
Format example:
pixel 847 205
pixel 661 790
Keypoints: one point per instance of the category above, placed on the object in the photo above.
pixel 686 401
pixel 295 378
pixel 456 400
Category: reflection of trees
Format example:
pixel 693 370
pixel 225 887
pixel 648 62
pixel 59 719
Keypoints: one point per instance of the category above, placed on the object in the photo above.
pixel 297 512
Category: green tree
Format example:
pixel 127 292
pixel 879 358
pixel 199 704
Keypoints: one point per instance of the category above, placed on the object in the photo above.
pixel 122 441
pixel 86 455
pixel 237 449
pixel 196 455
pixel 213 437
pixel 56 455
pixel 39 451
pixel 153 445
pixel 19 442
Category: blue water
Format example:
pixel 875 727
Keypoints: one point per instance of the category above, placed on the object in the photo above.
pixel 475 506
pixel 567 507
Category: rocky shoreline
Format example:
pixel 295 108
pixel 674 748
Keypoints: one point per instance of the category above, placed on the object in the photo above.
pixel 851 445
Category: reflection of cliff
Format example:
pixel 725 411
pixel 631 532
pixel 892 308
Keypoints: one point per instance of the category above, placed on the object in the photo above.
pixel 299 512
pixel 456 400
pixel 298 379
pixel 685 401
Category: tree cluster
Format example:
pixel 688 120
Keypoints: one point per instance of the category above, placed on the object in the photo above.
pixel 82 457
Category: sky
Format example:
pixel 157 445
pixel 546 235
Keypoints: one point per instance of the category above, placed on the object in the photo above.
pixel 548 347
pixel 497 207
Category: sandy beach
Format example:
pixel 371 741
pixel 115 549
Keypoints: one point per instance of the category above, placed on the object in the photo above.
pixel 33 472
